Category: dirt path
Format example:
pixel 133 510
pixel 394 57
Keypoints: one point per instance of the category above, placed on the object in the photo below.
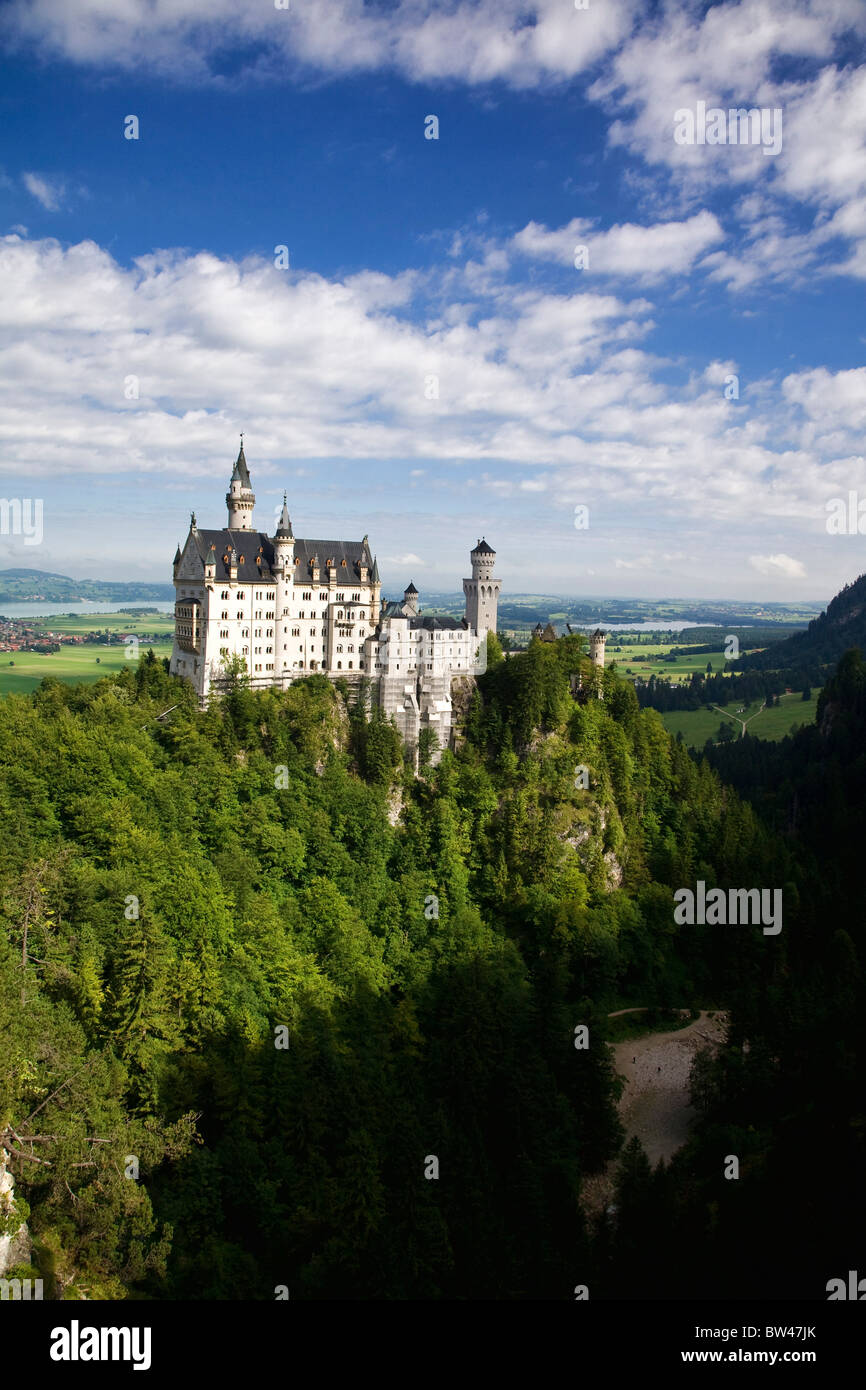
pixel 654 1104
pixel 742 722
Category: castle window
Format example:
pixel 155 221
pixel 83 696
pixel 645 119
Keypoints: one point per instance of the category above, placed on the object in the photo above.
pixel 339 649
pixel 301 614
pixel 296 632
pixel 323 598
pixel 306 596
pixel 356 598
pixel 343 563
pixel 362 614
pixel 224 651
pixel 339 665
pixel 224 616
pixel 350 664
pixel 341 598
pixel 226 593
pixel 240 616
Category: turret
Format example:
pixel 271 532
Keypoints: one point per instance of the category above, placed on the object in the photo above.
pixel 410 600
pixel 376 586
pixel 240 498
pixel 482 590
pixel 596 647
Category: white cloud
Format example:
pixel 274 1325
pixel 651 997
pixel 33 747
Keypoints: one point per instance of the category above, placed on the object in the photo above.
pixel 409 559
pixel 47 191
pixel 778 564
pixel 522 42
pixel 118 374
pixel 643 253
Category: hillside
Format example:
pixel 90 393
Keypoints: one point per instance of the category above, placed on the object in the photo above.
pixel 332 1007
pixel 841 626
pixel 26 585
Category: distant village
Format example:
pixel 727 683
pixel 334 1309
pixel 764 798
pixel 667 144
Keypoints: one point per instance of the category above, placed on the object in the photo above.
pixel 25 635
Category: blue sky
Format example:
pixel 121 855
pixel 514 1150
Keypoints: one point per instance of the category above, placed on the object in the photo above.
pixel 432 365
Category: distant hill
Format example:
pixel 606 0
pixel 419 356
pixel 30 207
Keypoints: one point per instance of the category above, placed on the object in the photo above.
pixel 840 626
pixel 24 586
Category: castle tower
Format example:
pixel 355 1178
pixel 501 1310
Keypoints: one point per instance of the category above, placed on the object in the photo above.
pixel 376 586
pixel 410 600
pixel 240 498
pixel 284 569
pixel 482 590
pixel 596 647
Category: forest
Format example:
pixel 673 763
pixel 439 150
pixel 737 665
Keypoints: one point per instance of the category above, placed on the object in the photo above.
pixel 280 1010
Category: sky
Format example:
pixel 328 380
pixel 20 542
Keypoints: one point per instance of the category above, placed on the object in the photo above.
pixel 454 269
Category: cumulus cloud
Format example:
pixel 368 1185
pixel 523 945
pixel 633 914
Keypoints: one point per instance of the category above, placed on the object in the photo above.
pixel 521 42
pixel 641 253
pixel 122 374
pixel 778 564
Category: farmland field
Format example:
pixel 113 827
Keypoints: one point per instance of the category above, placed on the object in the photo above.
pixel 83 624
pixel 88 664
pixel 696 726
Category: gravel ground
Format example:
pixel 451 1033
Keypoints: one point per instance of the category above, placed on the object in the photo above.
pixel 654 1104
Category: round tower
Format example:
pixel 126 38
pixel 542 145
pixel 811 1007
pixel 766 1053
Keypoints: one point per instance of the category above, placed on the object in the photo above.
pixel 410 600
pixel 482 590
pixel 284 570
pixel 596 647
pixel 240 498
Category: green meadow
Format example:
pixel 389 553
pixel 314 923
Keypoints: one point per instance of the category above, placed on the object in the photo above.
pixel 83 624
pixel 22 671
pixel 696 726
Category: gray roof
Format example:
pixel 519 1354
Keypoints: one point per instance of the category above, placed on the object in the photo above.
pixel 432 623
pixel 253 545
pixel 482 548
pixel 241 471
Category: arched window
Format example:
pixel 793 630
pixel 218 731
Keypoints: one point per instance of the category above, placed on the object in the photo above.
pixel 339 665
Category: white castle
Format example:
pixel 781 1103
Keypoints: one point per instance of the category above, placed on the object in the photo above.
pixel 288 608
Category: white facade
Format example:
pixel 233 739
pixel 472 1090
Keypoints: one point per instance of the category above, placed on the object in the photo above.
pixel 287 608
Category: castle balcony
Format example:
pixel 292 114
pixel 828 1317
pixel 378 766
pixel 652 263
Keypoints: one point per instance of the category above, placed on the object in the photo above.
pixel 187 624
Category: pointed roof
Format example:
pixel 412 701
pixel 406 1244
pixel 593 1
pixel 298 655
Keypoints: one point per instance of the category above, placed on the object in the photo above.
pixel 411 589
pixel 177 556
pixel 210 558
pixel 241 473
pixel 374 577
pixel 285 526
pixel 482 548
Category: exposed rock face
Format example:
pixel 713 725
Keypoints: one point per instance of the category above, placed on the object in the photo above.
pixel 14 1245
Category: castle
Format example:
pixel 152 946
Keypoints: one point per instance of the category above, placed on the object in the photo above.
pixel 287 608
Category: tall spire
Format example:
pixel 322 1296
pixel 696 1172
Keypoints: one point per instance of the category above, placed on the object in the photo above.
pixel 240 498
pixel 285 526
pixel 241 473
